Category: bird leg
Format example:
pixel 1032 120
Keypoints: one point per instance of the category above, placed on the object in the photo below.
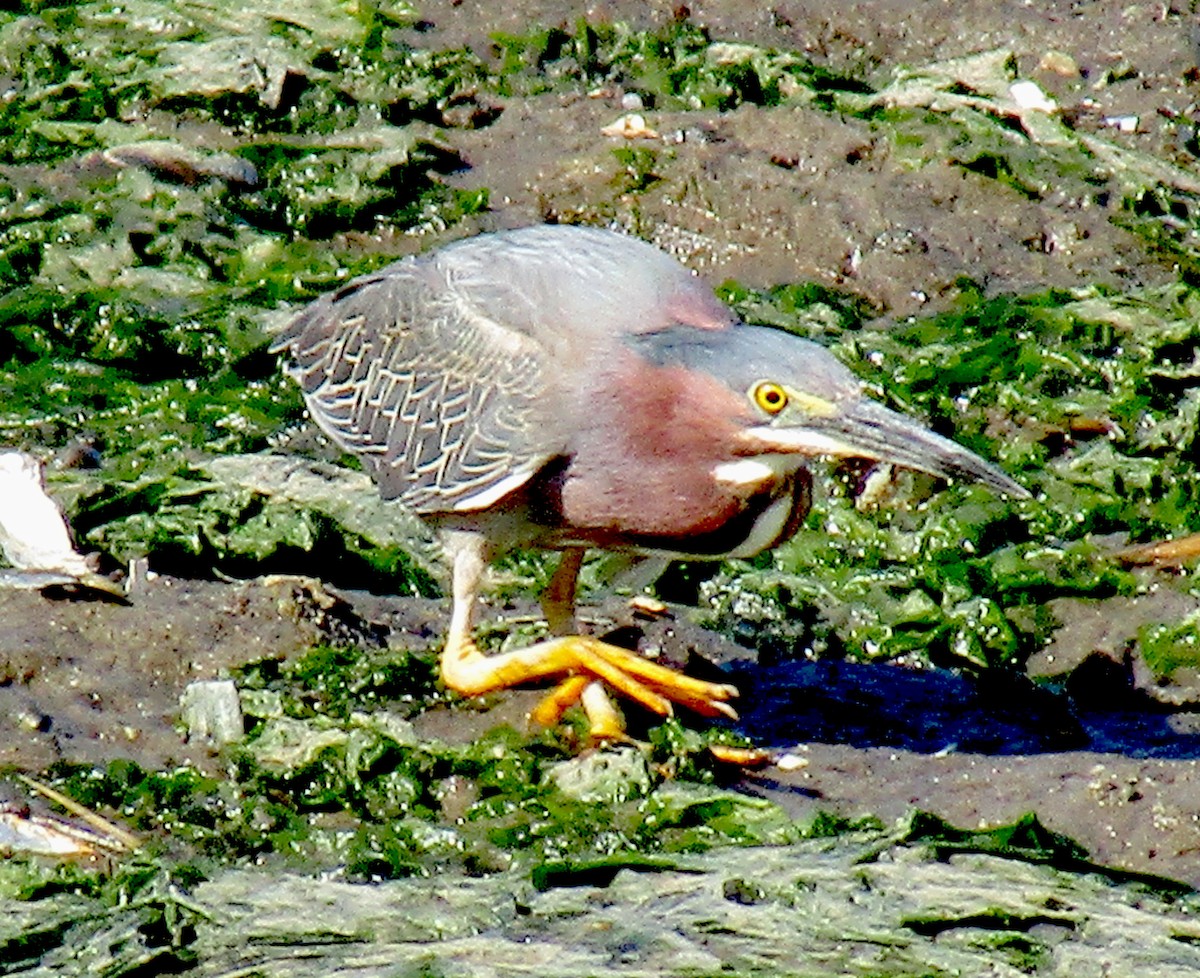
pixel 558 599
pixel 468 671
pixel 558 605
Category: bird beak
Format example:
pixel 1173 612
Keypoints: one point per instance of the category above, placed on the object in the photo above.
pixel 863 428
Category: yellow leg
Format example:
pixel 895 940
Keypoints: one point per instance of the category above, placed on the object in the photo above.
pixel 468 671
pixel 558 605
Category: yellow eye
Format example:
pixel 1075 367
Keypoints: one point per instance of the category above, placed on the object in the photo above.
pixel 770 397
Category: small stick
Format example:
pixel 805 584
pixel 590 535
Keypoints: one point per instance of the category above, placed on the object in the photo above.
pixel 126 840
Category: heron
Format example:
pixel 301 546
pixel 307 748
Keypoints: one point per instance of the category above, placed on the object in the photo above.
pixel 565 388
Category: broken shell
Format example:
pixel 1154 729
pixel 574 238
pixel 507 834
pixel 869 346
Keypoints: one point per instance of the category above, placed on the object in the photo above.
pixel 1122 123
pixel 630 126
pixel 33 532
pixel 740 756
pixel 1028 95
pixel 648 607
pixel 632 102
pixel 34 537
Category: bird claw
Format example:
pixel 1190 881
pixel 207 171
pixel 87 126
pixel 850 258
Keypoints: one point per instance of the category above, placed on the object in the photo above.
pixel 583 660
pixel 655 686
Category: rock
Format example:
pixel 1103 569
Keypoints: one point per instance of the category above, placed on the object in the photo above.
pixel 211 710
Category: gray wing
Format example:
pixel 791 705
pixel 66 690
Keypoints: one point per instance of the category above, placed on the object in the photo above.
pixel 441 403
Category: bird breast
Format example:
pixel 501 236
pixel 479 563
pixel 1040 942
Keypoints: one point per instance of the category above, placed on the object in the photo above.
pixel 656 465
pixel 707 520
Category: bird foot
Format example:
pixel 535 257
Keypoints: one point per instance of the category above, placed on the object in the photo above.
pixel 605 723
pixel 583 660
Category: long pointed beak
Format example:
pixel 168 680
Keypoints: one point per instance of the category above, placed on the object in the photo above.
pixel 865 429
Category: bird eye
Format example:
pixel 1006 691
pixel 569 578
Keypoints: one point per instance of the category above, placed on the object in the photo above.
pixel 770 397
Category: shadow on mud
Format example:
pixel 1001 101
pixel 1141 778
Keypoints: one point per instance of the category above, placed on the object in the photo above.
pixel 929 711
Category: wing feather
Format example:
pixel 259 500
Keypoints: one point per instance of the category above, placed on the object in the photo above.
pixel 443 405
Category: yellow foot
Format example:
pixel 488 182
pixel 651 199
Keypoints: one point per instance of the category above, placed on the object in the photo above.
pixel 605 723
pixel 581 660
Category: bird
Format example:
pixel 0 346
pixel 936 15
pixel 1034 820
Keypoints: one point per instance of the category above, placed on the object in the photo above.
pixel 562 388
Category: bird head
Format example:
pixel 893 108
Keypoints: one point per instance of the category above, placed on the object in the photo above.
pixel 793 399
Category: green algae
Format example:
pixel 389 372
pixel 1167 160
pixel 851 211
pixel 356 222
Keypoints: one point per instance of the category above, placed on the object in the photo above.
pixel 927 898
pixel 169 172
pixel 175 176
pixel 1170 647
pixel 1085 398
pixel 173 173
pixel 676 66
pixel 163 200
pixel 363 793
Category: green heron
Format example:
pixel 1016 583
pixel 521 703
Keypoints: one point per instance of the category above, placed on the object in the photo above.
pixel 565 388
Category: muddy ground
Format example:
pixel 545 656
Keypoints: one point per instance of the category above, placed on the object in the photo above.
pixel 766 197
pixel 90 681
pixel 769 198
